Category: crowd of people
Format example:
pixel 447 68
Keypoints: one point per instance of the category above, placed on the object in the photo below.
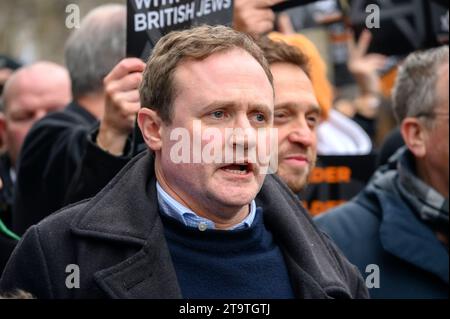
pixel 77 187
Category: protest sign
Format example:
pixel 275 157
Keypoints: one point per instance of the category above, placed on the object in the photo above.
pixel 149 20
pixel 335 180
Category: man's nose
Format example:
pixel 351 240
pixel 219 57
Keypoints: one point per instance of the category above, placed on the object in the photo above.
pixel 301 133
pixel 244 134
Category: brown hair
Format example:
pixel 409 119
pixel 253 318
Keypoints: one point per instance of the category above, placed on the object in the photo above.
pixel 157 89
pixel 281 52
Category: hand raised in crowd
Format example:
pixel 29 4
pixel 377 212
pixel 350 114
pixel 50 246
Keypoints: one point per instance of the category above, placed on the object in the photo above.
pixel 121 106
pixel 254 17
pixel 284 24
pixel 364 66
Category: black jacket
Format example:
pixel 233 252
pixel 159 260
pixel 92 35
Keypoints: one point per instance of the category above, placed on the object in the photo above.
pixel 60 164
pixel 6 247
pixel 7 244
pixel 6 190
pixel 116 239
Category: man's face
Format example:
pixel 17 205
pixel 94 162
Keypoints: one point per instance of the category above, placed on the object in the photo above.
pixel 227 90
pixel 296 116
pixel 32 97
pixel 437 143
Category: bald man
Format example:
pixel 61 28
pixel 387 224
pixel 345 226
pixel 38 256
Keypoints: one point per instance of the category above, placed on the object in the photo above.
pixel 29 94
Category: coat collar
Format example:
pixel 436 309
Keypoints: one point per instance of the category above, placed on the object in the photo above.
pixel 126 211
pixel 402 233
pixel 80 111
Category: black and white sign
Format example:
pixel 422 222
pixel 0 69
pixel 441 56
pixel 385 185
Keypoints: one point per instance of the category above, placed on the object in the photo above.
pixel 149 20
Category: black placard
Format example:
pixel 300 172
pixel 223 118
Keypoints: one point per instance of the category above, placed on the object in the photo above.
pixel 290 4
pixel 336 180
pixel 149 20
pixel 405 25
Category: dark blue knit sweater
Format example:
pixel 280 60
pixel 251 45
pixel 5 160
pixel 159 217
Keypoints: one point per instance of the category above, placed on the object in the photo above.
pixel 227 264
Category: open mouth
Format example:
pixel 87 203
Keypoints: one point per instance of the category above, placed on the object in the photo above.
pixel 239 169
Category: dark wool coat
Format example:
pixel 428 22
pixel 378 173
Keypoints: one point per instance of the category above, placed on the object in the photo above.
pixel 117 241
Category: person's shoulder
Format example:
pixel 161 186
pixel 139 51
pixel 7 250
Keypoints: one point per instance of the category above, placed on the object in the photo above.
pixel 55 129
pixel 58 120
pixel 61 220
pixel 349 222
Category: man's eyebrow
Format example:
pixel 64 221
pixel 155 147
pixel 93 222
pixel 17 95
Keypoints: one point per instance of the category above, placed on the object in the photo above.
pixel 230 104
pixel 294 106
pixel 219 105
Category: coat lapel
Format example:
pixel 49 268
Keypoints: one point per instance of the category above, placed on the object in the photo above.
pixel 314 272
pixel 147 275
pixel 126 212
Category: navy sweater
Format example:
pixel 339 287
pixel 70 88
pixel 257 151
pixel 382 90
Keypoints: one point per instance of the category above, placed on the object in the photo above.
pixel 227 264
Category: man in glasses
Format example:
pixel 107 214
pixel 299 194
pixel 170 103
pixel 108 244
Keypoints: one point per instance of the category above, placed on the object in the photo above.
pixel 396 229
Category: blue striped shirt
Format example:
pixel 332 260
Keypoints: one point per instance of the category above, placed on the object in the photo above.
pixel 186 216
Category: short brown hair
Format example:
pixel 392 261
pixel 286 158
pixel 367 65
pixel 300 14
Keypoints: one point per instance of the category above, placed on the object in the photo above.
pixel 157 89
pixel 281 52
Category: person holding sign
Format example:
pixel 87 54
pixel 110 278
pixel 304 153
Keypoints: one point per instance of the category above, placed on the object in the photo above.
pixel 396 229
pixel 163 229
pixel 254 17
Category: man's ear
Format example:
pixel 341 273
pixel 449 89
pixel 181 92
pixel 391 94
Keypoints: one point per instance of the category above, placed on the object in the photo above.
pixel 2 132
pixel 414 135
pixel 150 124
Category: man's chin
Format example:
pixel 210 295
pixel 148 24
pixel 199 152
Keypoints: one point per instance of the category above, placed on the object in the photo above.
pixel 298 187
pixel 235 198
pixel 296 183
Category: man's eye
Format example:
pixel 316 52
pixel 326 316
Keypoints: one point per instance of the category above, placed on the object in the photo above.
pixel 218 114
pixel 260 117
pixel 22 117
pixel 280 115
pixel 313 121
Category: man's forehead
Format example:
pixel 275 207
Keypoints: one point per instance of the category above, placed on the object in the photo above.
pixel 39 82
pixel 300 96
pixel 221 76
pixel 235 62
pixel 293 87
pixel 291 73
pixel 32 98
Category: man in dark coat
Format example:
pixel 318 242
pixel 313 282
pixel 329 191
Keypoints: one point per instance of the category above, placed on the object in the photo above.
pixel 396 230
pixel 71 155
pixel 170 225
pixel 30 93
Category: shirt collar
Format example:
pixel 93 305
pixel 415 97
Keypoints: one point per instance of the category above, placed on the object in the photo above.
pixel 172 208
